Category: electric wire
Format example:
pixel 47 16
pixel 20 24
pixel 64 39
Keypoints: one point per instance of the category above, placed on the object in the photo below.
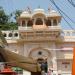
pixel 62 11
pixel 71 2
pixel 59 10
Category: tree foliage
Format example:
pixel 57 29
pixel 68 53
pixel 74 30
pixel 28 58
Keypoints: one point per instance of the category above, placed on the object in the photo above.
pixel 5 20
pixel 17 13
pixel 9 26
pixel 3 17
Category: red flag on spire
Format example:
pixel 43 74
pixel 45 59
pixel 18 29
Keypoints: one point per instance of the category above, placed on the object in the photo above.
pixel 73 63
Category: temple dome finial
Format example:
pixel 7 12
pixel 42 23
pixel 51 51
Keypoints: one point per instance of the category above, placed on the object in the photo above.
pixel 39 7
pixel 49 8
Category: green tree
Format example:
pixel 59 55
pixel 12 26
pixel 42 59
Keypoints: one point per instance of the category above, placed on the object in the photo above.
pixel 17 13
pixel 3 17
pixel 8 22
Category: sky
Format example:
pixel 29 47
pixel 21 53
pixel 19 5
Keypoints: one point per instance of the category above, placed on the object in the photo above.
pixel 11 5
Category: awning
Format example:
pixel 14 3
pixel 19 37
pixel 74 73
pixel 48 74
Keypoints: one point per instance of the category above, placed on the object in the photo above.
pixel 7 71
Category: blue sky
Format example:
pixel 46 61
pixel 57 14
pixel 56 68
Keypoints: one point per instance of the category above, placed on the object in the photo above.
pixel 11 5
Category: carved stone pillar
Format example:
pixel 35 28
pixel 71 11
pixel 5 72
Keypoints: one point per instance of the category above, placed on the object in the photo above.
pixel 26 23
pixel 51 22
pixel 54 65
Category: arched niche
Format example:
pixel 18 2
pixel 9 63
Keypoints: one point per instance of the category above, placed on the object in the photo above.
pixel 39 52
pixel 30 23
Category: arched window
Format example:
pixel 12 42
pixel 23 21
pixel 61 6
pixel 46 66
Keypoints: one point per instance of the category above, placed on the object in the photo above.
pixel 4 34
pixel 30 23
pixel 48 22
pixel 10 34
pixel 16 34
pixel 54 22
pixel 23 23
pixel 39 21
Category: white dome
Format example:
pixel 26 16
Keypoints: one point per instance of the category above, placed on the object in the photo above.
pixel 39 9
pixel 53 13
pixel 25 14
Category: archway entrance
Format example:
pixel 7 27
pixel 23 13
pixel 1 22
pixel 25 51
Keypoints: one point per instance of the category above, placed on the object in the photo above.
pixel 43 64
pixel 40 60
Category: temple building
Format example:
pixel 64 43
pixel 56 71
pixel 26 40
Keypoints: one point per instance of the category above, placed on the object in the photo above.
pixel 41 37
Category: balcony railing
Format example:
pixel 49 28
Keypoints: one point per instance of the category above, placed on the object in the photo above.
pixel 56 28
pixel 22 28
pixel 69 35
